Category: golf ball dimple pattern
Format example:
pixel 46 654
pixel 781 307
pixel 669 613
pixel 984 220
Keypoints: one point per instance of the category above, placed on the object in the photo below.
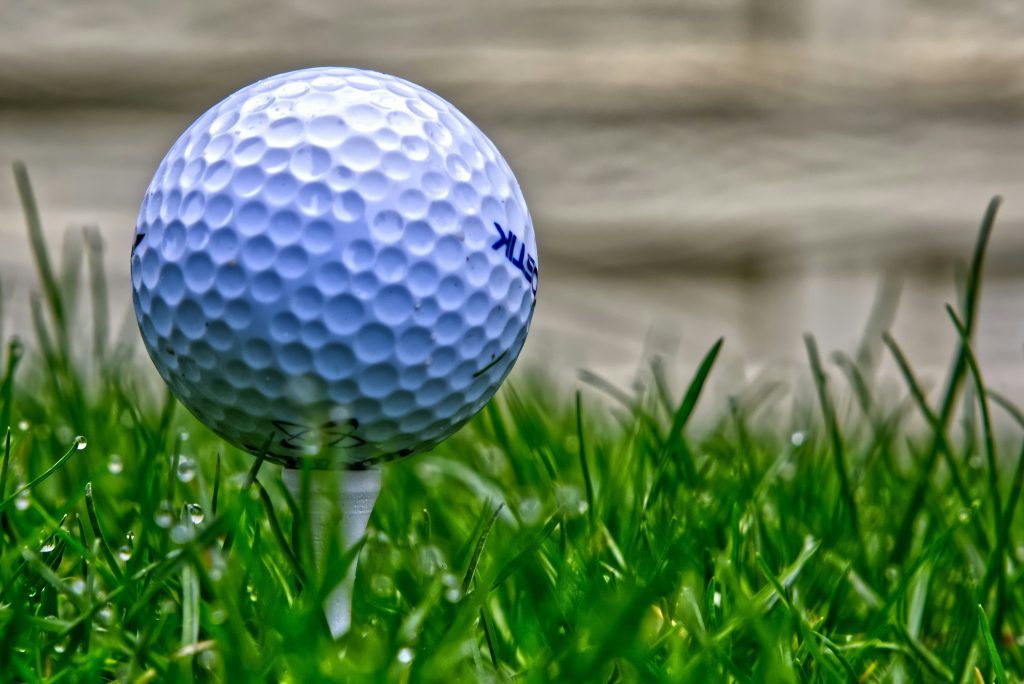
pixel 337 260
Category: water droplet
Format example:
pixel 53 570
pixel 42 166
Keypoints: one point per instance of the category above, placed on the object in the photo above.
pixel 78 586
pixel 81 442
pixel 125 552
pixel 195 513
pixel 23 425
pixel 218 615
pixel 23 501
pixel 208 659
pixel 529 510
pixel 115 465
pixel 181 533
pixel 798 438
pixel 183 436
pixel 186 469
pixel 382 585
pixel 217 564
pixel 48 545
pixel 430 560
pixel 964 515
pixel 164 516
pixel 105 615
pixel 570 500
pixel 60 647
pixel 405 655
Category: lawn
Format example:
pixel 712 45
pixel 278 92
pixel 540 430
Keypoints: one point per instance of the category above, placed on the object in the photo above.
pixel 593 536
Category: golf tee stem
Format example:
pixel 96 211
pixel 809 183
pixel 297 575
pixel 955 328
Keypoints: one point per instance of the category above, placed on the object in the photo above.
pixel 350 494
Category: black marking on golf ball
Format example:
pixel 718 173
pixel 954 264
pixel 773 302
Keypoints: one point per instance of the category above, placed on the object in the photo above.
pixel 138 239
pixel 342 435
pixel 525 263
pixel 491 365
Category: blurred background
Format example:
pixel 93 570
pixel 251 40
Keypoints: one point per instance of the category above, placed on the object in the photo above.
pixel 694 168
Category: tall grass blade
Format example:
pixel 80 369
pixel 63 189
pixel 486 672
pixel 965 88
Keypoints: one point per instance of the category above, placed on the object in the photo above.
pixel 972 294
pixel 990 647
pixel 467 579
pixel 832 427
pixel 587 481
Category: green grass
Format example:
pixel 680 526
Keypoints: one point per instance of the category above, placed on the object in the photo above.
pixel 595 538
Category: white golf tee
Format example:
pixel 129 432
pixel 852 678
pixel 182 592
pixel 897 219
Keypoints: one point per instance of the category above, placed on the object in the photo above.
pixel 350 493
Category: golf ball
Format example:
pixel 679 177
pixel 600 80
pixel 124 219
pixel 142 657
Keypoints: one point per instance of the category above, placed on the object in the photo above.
pixel 334 264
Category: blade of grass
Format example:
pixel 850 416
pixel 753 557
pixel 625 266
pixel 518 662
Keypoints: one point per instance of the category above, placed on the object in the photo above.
pixel 467 580
pixel 47 473
pixel 972 293
pixel 997 559
pixel 940 443
pixel 15 350
pixel 990 647
pixel 832 426
pixel 94 522
pixel 684 411
pixel 587 481
pixel 98 290
pixel 38 242
pixel 986 419
pixel 278 532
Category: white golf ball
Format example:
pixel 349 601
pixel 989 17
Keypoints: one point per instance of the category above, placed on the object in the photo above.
pixel 336 260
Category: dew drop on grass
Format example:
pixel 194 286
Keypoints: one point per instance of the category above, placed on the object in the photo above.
pixel 183 436
pixel 529 510
pixel 208 659
pixel 60 647
pixel 125 552
pixel 405 655
pixel 115 465
pixel 798 438
pixel 78 586
pixel 105 615
pixel 452 593
pixel 186 469
pixel 81 442
pixel 430 560
pixel 48 545
pixel 181 533
pixel 382 585
pixel 218 615
pixel 23 425
pixel 570 500
pixel 23 501
pixel 195 513
pixel 164 516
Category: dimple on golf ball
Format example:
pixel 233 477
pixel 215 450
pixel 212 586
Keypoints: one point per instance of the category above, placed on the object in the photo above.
pixel 334 263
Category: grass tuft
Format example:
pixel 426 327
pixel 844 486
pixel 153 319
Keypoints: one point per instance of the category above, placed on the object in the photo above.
pixel 781 541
